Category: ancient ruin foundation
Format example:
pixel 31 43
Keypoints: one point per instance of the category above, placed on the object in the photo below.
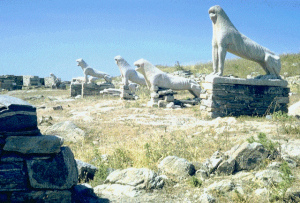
pixel 235 96
pixel 88 89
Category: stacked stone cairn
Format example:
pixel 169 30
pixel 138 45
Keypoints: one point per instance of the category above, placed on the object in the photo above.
pixel 235 96
pixel 161 98
pixel 33 167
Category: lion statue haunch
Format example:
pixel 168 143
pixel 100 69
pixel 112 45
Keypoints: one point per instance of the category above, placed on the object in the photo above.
pixel 156 78
pixel 128 73
pixel 92 72
pixel 227 38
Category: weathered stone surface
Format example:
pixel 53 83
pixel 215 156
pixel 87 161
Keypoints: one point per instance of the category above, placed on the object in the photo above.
pixel 227 167
pixel 48 196
pixel 13 177
pixel 249 156
pixel 227 38
pixel 207 198
pixel 86 171
pixel 235 96
pixel 58 172
pixel 292 195
pixel 213 162
pixel 117 190
pixel 44 144
pixel 291 149
pixel 16 115
pixel 140 178
pixel 269 177
pixel 66 129
pixel 221 186
pixel 177 166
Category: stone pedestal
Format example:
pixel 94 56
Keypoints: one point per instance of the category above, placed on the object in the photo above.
pixel 235 96
pixel 90 89
pixel 162 98
pixel 126 93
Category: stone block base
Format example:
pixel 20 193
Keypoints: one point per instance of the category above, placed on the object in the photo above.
pixel 126 93
pixel 235 96
pixel 162 98
pixel 90 89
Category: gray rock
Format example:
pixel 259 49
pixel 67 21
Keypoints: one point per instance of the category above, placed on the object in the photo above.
pixel 226 167
pixel 207 198
pixel 202 174
pixel 86 171
pixel 117 190
pixel 13 177
pixel 249 156
pixel 48 196
pixel 292 195
pixel 44 144
pixel 274 166
pixel 67 129
pixel 16 115
pixel 59 172
pixel 291 149
pixel 269 177
pixel 139 178
pixel 55 108
pixel 214 161
pixel 262 195
pixel 294 109
pixel 176 166
pixel 222 186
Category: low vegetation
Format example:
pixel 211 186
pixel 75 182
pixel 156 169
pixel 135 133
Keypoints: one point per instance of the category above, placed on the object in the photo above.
pixel 130 134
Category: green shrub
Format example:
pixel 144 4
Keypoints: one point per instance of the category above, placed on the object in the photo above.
pixel 262 139
pixel 195 182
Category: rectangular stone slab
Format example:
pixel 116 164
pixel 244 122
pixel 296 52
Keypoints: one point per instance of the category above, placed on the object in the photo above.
pixel 59 172
pixel 13 177
pixel 16 115
pixel 44 144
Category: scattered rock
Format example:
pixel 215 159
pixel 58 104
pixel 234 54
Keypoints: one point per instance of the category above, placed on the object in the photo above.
pixel 226 167
pixel 213 162
pixel 139 178
pixel 294 109
pixel 207 198
pixel 55 108
pixel 269 177
pixel 221 187
pixel 249 156
pixel 178 167
pixel 117 190
pixel 291 150
pixel 86 171
pixel 67 129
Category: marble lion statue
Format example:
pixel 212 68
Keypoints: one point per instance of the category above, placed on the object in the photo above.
pixel 227 38
pixel 88 71
pixel 156 79
pixel 128 73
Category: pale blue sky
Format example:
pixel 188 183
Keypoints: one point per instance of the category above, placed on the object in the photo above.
pixel 39 37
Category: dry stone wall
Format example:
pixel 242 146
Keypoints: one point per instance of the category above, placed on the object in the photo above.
pixel 235 96
pixel 29 80
pixel 33 167
pixel 88 89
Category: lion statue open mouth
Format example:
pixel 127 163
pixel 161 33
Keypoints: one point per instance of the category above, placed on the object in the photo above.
pixel 227 38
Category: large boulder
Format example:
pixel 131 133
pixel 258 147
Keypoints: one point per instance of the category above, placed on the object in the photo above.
pixel 176 166
pixel 66 129
pixel 16 115
pixel 248 156
pixel 140 178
